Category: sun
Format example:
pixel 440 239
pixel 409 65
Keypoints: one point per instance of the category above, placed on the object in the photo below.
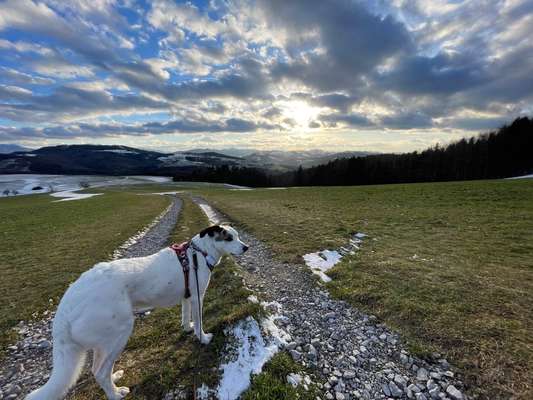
pixel 300 112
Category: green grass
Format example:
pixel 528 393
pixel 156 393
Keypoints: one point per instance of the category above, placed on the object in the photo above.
pixel 159 355
pixel 468 291
pixel 46 245
pixel 271 383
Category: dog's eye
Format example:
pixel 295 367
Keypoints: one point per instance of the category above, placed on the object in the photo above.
pixel 229 238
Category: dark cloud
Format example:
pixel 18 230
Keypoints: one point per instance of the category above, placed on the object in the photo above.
pixel 353 40
pixel 477 124
pixel 69 101
pixel 442 74
pixel 184 126
pixel 407 121
pixel 346 120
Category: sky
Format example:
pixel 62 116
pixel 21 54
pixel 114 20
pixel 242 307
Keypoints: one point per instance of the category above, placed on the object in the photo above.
pixel 335 75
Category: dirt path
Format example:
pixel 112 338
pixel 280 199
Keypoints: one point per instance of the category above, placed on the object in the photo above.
pixel 355 355
pixel 28 362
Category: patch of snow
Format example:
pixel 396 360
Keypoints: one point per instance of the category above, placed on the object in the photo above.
pixel 68 195
pixel 294 379
pixel 253 299
pixel 252 352
pixel 238 187
pixel 322 261
pixel 119 151
pixel 248 351
pixel 243 189
pixel 23 183
pixel 203 392
pixel 167 193
pixel 210 213
pixel 522 177
pixel 276 188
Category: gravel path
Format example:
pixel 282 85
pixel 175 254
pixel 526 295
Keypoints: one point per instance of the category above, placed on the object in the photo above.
pixel 28 362
pixel 356 356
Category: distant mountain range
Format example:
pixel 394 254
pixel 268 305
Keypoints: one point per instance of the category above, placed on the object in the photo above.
pixel 123 160
pixel 11 148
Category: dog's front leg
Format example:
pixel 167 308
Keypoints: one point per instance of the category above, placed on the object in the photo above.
pixel 186 323
pixel 204 338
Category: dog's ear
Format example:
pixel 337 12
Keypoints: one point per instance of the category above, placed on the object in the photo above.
pixel 211 231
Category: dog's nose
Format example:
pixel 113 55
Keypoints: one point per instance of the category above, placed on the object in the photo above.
pixel 244 248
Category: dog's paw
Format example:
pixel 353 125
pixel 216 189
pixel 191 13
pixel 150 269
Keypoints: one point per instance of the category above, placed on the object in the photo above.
pixel 117 375
pixel 206 338
pixel 188 328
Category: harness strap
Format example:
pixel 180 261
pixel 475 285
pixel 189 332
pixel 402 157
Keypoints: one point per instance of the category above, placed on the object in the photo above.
pixel 198 299
pixel 181 253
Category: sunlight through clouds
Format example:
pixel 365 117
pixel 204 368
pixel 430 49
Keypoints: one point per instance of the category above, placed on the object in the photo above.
pixel 313 71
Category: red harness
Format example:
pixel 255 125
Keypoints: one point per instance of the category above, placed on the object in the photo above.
pixel 181 252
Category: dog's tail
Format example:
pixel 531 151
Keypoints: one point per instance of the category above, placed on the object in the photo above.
pixel 69 358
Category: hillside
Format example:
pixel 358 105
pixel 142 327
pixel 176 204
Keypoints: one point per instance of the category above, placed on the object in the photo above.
pixel 11 148
pixel 124 160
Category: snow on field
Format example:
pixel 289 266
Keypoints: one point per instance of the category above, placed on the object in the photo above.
pixel 69 195
pixel 167 193
pixel 522 177
pixel 120 151
pixel 250 350
pixel 322 261
pixel 252 353
pixel 23 184
pixel 237 187
pixel 250 346
pixel 210 213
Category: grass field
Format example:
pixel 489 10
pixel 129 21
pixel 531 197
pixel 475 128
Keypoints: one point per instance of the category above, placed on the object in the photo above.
pixel 46 245
pixel 451 266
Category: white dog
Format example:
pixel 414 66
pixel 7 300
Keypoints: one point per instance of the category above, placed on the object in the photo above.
pixel 96 312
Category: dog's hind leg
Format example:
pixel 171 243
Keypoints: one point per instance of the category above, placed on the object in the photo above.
pixel 186 315
pixel 106 360
pixel 97 362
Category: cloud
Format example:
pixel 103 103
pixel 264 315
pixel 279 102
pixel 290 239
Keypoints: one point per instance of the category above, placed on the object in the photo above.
pixel 113 68
pixel 177 126
pixel 12 76
pixel 68 103
pixel 345 120
pixel 413 120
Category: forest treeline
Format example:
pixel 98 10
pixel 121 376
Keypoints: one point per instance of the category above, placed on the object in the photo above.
pixel 500 154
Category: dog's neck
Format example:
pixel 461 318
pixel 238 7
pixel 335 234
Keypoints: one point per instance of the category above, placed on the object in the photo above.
pixel 206 245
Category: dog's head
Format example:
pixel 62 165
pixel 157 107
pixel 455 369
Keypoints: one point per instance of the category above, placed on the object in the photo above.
pixel 225 239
